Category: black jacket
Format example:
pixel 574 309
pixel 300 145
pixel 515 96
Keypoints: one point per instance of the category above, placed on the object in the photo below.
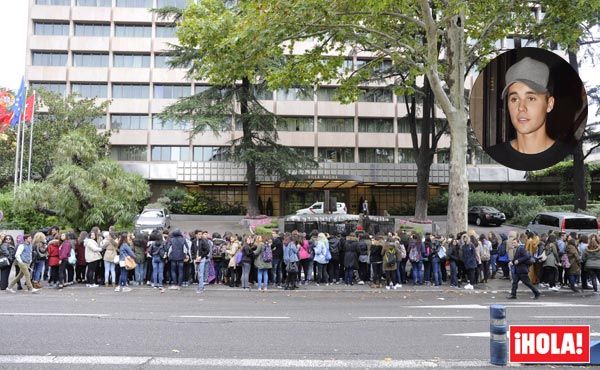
pixel 351 253
pixel 277 248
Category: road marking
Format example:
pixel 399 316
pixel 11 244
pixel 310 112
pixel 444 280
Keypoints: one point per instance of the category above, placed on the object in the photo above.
pixel 507 304
pixel 54 314
pixel 566 317
pixel 233 317
pixel 486 334
pixel 455 306
pixel 236 362
pixel 414 317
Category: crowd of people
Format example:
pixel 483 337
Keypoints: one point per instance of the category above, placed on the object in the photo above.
pixel 56 259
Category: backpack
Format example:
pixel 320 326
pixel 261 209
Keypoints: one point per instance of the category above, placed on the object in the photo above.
pixel 414 255
pixel 485 252
pixel 267 254
pixel 72 258
pixel 334 246
pixel 502 249
pixel 327 254
pixel 390 257
pixel 441 252
pixel 564 261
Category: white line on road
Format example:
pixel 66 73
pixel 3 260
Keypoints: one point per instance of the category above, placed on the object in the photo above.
pixel 507 304
pixel 236 362
pixel 233 317
pixel 486 334
pixel 565 317
pixel 415 317
pixel 56 314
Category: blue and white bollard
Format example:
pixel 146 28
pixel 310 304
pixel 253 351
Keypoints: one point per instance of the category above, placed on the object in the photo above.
pixel 498 340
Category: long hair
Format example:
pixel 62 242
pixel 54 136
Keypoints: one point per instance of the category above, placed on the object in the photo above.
pixel 123 238
pixel 39 238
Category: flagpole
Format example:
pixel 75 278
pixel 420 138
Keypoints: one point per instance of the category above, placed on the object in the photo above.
pixel 22 139
pixel 17 156
pixel 31 138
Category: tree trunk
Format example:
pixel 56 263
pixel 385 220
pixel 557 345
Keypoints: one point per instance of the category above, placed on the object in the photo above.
pixel 247 142
pixel 424 152
pixel 579 176
pixel 458 185
pixel 423 167
pixel 579 169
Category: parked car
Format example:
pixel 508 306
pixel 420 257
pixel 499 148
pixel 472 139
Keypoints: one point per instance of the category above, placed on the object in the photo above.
pixel 566 222
pixel 153 218
pixel 484 215
pixel 317 208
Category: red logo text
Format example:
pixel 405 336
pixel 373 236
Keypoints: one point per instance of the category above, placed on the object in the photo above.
pixel 549 343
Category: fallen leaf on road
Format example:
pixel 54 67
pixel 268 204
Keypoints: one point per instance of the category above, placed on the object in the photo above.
pixel 388 359
pixel 442 299
pixel 175 350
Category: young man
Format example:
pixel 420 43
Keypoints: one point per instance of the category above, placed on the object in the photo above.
pixel 529 100
pixel 521 265
pixel 23 259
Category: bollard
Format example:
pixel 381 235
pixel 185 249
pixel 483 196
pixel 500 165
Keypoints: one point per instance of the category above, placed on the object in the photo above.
pixel 498 340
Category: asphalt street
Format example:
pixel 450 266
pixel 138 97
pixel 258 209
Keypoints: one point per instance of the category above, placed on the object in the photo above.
pixel 314 327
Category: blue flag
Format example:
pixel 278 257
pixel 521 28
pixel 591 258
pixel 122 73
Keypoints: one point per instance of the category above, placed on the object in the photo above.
pixel 17 108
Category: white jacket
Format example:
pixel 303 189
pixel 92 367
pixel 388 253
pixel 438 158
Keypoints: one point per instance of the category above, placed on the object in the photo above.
pixel 92 250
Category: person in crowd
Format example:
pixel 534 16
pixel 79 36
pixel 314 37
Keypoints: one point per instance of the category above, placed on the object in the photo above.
pixel 158 251
pixel 40 258
pixel 233 251
pixel 262 261
pixel 247 259
pixel 582 247
pixel 291 259
pixel 426 259
pixel 561 243
pixel 140 246
pixel 277 248
pixel 531 245
pixel 493 238
pixel 80 268
pixel 92 257
pixel 574 269
pixel 305 255
pixel 453 256
pixel 125 242
pixel 23 258
pixel 503 258
pixel 201 259
pixel 376 260
pixel 401 264
pixel 177 254
pixel 470 259
pixel 437 250
pixel 351 255
pixel 521 262
pixel 591 260
pixel 415 255
pixel 7 254
pixel 54 261
pixel 486 256
pixel 64 251
pixel 390 257
pixel 322 257
pixel 111 258
pixel 219 247
pixel 364 245
pixel 549 265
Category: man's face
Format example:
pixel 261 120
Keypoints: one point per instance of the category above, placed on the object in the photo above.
pixel 28 240
pixel 528 108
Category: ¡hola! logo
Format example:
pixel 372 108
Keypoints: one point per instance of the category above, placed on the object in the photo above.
pixel 549 344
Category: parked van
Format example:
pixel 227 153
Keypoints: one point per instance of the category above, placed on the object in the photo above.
pixel 566 222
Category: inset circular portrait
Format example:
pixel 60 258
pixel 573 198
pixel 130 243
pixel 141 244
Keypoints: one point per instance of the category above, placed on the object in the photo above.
pixel 528 109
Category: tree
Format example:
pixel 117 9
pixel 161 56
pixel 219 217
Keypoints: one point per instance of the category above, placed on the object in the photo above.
pixel 213 46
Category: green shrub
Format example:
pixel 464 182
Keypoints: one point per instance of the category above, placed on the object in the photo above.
pixel 175 196
pixel 553 200
pixel 200 203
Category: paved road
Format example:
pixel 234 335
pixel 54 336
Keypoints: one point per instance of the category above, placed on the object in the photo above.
pixel 229 328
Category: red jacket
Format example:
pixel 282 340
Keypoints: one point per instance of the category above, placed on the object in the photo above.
pixel 65 250
pixel 53 259
pixel 80 253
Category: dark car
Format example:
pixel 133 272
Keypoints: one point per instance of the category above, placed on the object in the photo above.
pixel 483 215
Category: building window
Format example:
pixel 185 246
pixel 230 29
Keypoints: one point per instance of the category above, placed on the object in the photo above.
pixel 133 30
pixel 303 151
pixel 376 155
pixel 305 124
pixel 92 29
pixel 39 58
pixel 210 153
pixel 50 29
pixel 215 93
pixel 376 96
pixel 129 121
pixel 336 124
pixel 97 3
pixel 159 124
pixel 406 155
pixel 100 122
pixel 181 4
pixel 165 31
pixel 294 94
pixel 131 60
pixel 326 93
pixel 443 156
pixel 375 125
pixel 170 153
pixel 55 87
pixel 53 2
pixel 90 60
pixel 336 155
pixel 134 4
pixel 129 153
pixel 161 61
pixel 171 91
pixel 89 90
pixel 404 125
pixel 126 91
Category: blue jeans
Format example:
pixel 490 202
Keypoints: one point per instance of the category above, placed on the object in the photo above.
pixel 276 271
pixel 349 275
pixel 493 259
pixel 417 272
pixel 109 268
pixel 400 272
pixel 263 278
pixel 201 267
pixel 140 272
pixel 123 276
pixel 177 272
pixel 38 269
pixel 158 267
pixel 453 273
pixel 437 272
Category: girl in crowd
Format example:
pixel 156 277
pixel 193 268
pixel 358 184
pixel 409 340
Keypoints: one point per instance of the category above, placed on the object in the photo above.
pixel 549 266
pixel 305 258
pixel 321 258
pixel 591 258
pixel 247 258
pixel 92 257
pixel 575 269
pixel 110 255
pixel 470 259
pixel 54 260
pixel 124 252
pixel 291 259
pixel 64 251
pixel 158 251
pixel 7 253
pixel 40 258
pixel 376 259
pixel 232 251
pixel 389 254
pixel 261 265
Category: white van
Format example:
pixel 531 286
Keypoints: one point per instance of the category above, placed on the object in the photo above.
pixel 317 208
pixel 565 222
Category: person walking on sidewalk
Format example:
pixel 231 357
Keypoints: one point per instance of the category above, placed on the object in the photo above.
pixel 521 262
pixel 23 258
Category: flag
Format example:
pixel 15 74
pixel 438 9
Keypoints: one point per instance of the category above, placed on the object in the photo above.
pixel 17 107
pixel 29 103
pixel 5 118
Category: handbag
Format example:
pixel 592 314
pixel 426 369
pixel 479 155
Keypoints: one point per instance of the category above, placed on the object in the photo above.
pixel 238 257
pixel 544 256
pixel 292 267
pixel 116 259
pixel 4 262
pixel 72 257
pixel 130 263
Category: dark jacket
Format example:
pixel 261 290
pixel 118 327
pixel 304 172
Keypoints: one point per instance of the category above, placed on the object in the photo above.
pixel 247 254
pixel 177 246
pixel 203 248
pixel 219 248
pixel 277 247
pixel 40 252
pixel 158 249
pixel 64 250
pixel 376 255
pixel 351 253
pixel 523 257
pixel 5 251
pixel 453 252
pixel 591 257
pixel 469 257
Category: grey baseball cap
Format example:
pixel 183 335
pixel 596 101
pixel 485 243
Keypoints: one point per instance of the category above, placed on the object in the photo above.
pixel 529 71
